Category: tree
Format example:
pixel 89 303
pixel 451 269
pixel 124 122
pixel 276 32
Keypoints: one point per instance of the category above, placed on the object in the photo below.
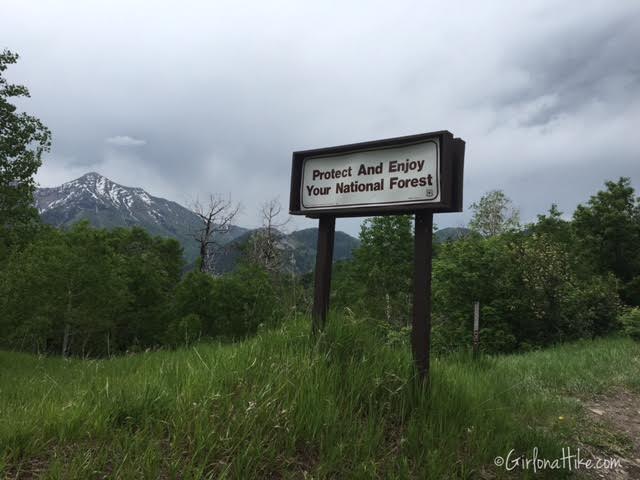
pixel 608 232
pixel 264 248
pixel 23 140
pixel 552 224
pixel 494 214
pixel 529 290
pixel 216 219
pixel 230 306
pixel 150 268
pixel 87 291
pixel 62 293
pixel 467 270
pixel 194 295
pixel 246 299
pixel 383 263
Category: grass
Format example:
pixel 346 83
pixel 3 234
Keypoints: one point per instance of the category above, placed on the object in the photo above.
pixel 280 406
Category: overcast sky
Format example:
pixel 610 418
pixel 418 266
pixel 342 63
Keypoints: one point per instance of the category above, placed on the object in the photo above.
pixel 184 98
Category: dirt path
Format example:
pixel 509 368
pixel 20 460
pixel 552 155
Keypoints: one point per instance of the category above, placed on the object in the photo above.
pixel 614 432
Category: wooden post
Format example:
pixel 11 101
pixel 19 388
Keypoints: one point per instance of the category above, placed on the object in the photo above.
pixel 324 259
pixel 476 328
pixel 421 331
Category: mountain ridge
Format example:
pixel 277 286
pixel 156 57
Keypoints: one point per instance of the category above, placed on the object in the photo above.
pixel 107 204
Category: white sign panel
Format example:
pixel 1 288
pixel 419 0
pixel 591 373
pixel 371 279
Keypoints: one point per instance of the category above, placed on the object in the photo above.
pixel 405 174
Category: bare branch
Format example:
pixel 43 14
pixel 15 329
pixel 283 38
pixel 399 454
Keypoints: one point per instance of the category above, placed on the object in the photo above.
pixel 266 246
pixel 216 217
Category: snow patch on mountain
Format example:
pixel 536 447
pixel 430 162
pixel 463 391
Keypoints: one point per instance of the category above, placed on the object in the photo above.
pixel 103 194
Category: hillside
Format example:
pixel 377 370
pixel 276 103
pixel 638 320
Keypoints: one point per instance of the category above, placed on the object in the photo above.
pixel 106 204
pixel 276 406
pixel 451 234
pixel 298 249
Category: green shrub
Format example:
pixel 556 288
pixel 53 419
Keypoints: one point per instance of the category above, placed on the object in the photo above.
pixel 530 291
pixel 184 331
pixel 195 295
pixel 630 321
pixel 250 299
pixel 231 306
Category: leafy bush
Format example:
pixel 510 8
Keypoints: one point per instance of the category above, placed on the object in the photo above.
pixel 232 306
pixel 607 232
pixel 378 280
pixel 262 303
pixel 185 330
pixel 530 292
pixel 87 291
pixel 630 321
pixel 195 295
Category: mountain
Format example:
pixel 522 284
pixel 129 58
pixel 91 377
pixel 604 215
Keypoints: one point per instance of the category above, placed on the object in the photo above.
pixel 304 245
pixel 451 234
pixel 298 249
pixel 106 204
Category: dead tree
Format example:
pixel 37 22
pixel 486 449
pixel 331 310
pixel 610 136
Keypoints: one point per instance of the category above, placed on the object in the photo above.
pixel 215 217
pixel 266 244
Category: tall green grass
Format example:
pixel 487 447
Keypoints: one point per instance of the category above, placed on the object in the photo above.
pixel 283 406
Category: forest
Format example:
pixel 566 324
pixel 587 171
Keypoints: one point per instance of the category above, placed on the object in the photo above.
pixel 538 284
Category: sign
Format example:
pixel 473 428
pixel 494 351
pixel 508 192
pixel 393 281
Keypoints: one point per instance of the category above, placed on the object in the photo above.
pixel 418 174
pixel 396 175
pixel 400 175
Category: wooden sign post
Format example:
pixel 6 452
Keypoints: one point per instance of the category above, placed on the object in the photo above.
pixel 419 174
pixel 421 321
pixel 324 260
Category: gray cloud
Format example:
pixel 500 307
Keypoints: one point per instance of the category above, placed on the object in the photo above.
pixel 573 66
pixel 546 97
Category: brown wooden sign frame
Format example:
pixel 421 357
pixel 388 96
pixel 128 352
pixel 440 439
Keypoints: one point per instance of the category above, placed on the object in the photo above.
pixel 451 162
pixel 451 158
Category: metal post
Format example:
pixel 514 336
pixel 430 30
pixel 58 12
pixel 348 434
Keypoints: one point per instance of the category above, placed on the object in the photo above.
pixel 324 258
pixel 421 331
pixel 476 328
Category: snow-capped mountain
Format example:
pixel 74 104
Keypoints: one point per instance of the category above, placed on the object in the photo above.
pixel 98 195
pixel 106 204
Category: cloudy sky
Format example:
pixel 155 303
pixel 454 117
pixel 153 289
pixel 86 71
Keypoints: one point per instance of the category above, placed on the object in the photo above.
pixel 184 98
